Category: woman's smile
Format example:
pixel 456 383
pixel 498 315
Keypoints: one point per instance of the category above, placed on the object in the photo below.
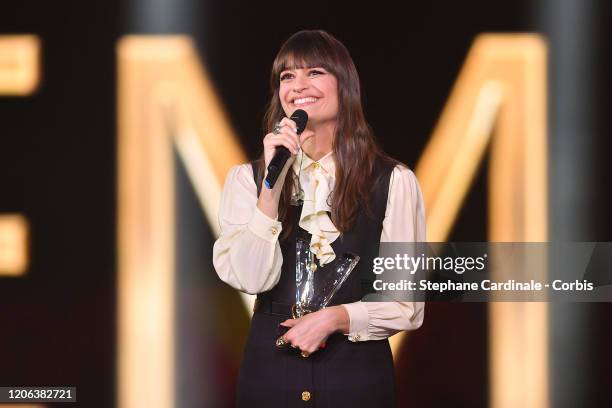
pixel 301 102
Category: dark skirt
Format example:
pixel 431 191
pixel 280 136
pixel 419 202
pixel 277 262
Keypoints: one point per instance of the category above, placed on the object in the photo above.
pixel 344 374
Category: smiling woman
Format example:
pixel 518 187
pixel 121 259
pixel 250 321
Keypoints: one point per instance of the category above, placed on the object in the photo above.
pixel 342 194
pixel 311 89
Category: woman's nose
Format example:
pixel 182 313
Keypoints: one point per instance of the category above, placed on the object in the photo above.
pixel 300 84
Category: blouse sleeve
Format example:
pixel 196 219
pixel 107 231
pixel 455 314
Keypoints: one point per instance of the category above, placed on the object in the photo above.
pixel 404 222
pixel 247 255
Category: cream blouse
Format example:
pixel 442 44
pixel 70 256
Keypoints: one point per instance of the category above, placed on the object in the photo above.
pixel 247 255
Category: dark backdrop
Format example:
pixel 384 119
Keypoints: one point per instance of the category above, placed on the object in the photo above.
pixel 58 160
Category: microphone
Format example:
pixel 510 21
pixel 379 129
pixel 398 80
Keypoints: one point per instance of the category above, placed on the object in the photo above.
pixel 282 154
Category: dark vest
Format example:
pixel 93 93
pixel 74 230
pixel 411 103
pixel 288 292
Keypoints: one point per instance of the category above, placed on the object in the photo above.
pixel 344 373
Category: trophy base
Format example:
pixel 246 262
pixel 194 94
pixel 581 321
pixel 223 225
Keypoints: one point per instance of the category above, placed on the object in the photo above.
pixel 298 311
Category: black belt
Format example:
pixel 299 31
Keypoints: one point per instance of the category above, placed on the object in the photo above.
pixel 270 307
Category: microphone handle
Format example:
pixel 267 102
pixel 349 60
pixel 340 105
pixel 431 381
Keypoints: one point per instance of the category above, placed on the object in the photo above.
pixel 276 165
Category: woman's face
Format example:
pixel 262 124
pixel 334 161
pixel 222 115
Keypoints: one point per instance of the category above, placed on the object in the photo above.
pixel 314 90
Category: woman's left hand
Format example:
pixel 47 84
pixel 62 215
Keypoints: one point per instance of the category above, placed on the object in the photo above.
pixel 311 331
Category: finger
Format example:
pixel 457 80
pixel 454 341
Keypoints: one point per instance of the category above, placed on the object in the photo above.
pixel 283 130
pixel 268 137
pixel 289 336
pixel 289 323
pixel 308 351
pixel 289 144
pixel 285 133
pixel 290 131
pixel 288 122
pixel 284 140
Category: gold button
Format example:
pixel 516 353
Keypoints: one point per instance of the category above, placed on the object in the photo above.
pixel 274 230
pixel 317 165
pixel 305 396
pixel 354 338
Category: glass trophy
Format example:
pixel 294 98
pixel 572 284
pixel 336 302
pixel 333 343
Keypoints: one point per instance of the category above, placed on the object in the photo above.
pixel 314 294
pixel 315 289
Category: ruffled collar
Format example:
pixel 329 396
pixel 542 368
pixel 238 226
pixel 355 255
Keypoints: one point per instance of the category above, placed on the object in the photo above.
pixel 317 181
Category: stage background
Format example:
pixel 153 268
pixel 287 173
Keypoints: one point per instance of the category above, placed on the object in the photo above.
pixel 58 168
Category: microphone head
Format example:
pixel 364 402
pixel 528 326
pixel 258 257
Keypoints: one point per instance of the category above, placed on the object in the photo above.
pixel 300 117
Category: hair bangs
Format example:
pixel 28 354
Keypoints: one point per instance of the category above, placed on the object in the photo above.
pixel 305 50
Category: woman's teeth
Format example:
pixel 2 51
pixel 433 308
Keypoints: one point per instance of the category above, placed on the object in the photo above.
pixel 304 101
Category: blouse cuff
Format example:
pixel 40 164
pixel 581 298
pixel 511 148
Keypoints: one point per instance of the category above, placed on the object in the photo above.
pixel 358 315
pixel 264 226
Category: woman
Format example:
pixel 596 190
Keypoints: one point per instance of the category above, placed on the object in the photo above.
pixel 354 197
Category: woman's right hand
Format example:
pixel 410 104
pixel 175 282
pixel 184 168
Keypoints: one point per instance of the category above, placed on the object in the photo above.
pixel 286 137
pixel 268 199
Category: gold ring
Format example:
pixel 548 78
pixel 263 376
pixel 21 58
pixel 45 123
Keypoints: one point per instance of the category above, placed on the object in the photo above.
pixel 305 354
pixel 281 342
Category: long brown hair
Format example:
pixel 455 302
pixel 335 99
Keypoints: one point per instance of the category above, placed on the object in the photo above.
pixel 354 145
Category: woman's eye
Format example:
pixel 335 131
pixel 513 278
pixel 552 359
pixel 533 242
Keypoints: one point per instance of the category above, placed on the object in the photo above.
pixel 316 72
pixel 285 76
